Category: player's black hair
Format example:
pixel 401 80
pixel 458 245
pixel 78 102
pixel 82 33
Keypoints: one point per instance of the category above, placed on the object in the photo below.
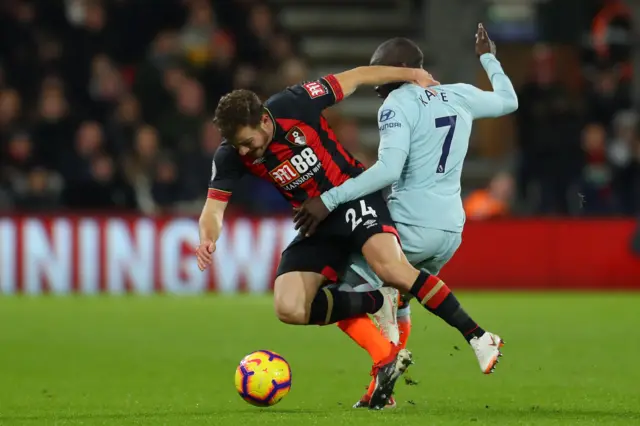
pixel 238 109
pixel 396 52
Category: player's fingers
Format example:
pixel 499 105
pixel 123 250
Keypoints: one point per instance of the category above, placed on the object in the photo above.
pixel 201 265
pixel 299 220
pixel 201 262
pixel 481 32
pixel 312 228
pixel 306 225
pixel 298 215
pixel 203 255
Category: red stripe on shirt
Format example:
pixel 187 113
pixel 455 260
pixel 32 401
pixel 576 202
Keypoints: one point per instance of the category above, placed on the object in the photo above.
pixel 331 169
pixel 332 136
pixel 335 86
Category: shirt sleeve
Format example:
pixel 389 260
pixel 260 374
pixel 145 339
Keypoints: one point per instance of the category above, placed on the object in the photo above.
pixel 310 97
pixel 394 125
pixel 484 104
pixel 226 170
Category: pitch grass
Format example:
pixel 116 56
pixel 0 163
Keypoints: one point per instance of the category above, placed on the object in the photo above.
pixel 569 360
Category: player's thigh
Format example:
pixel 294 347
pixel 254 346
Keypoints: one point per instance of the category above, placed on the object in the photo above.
pixel 373 232
pixel 385 257
pixel 305 265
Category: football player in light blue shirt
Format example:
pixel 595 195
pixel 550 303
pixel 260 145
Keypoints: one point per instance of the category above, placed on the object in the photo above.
pixel 424 138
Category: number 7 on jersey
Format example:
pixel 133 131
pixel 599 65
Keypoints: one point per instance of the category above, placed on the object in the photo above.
pixel 450 122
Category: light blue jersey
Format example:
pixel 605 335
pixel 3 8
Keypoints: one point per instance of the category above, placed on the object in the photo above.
pixel 424 138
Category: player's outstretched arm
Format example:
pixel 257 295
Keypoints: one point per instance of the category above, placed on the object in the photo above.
pixel 503 100
pixel 378 75
pixel 394 123
pixel 210 226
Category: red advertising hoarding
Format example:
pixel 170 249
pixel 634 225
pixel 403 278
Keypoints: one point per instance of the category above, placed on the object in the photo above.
pixel 122 254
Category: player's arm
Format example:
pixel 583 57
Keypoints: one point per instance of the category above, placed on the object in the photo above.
pixel 376 75
pixel 503 100
pixel 395 125
pixel 225 171
pixel 327 91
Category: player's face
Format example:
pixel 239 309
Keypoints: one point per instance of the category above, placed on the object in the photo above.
pixel 254 141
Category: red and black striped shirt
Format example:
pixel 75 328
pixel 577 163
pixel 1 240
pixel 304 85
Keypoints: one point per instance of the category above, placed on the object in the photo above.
pixel 304 158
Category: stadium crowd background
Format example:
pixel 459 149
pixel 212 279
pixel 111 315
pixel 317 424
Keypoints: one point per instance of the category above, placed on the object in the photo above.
pixel 107 106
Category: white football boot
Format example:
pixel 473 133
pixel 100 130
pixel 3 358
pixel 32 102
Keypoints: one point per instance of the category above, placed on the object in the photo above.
pixel 487 350
pixel 386 316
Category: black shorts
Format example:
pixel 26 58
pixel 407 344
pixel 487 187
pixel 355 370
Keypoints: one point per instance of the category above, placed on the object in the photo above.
pixel 341 234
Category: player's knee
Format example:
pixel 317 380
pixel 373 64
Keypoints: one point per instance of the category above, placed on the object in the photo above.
pixel 290 312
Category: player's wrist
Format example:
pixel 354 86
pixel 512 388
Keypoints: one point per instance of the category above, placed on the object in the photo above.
pixel 414 74
pixel 327 200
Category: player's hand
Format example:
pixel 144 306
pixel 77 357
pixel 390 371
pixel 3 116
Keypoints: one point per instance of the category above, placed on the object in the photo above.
pixel 483 42
pixel 425 79
pixel 308 216
pixel 204 254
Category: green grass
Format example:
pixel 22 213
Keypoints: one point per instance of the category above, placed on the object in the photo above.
pixel 569 360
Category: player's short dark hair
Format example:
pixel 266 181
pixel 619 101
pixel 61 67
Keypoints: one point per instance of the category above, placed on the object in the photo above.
pixel 238 109
pixel 398 52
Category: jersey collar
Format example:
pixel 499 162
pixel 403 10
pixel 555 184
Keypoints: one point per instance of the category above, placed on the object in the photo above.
pixel 273 122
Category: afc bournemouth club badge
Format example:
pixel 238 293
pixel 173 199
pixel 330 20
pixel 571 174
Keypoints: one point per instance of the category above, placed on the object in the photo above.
pixel 296 137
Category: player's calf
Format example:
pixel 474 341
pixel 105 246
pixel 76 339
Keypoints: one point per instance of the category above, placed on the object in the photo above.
pixel 327 307
pixel 434 295
pixel 331 305
pixel 300 300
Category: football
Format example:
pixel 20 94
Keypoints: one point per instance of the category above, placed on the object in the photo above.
pixel 263 378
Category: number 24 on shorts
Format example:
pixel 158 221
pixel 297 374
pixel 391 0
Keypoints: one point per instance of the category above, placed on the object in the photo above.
pixel 352 216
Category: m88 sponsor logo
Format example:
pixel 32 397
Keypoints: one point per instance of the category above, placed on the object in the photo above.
pixel 296 170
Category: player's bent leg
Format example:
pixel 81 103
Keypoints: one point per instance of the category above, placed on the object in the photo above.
pixel 299 299
pixel 361 329
pixel 293 293
pixel 385 257
pixel 437 247
pixel 360 277
pixel 381 251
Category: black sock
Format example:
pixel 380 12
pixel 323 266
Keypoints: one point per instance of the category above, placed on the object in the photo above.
pixel 330 305
pixel 434 295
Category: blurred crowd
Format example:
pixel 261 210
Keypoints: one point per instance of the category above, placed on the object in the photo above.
pixel 578 152
pixel 107 105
